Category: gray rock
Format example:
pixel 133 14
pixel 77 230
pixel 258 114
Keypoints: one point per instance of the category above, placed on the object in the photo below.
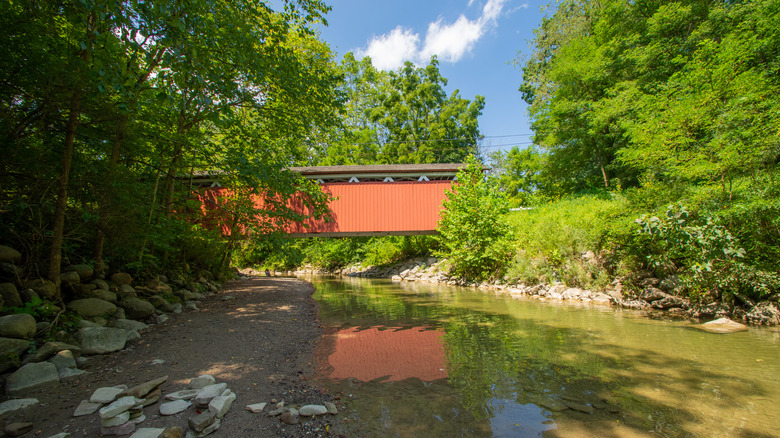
pixel 11 406
pixel 106 394
pixel 120 278
pixel 764 313
pixel 90 307
pixel 104 295
pixel 130 324
pixel 572 293
pixel 44 288
pixel 174 407
pixel 201 421
pixel 50 349
pixel 133 336
pixel 202 381
pixel 207 393
pixel 9 255
pixel 601 298
pixel 84 272
pixel 10 295
pixel 29 296
pixel 125 429
pixel 256 407
pixel 578 406
pixel 722 325
pixel 651 294
pixel 117 420
pixel 221 404
pixel 71 278
pixel 101 340
pixel 140 391
pixel 30 377
pixel 117 407
pixel 312 410
pixel 11 350
pixel 67 373
pixel 177 308
pixel 186 394
pixel 332 409
pixel 162 319
pixel 17 429
pixel 148 432
pixel 126 291
pixel 191 306
pixel 136 308
pixel 290 416
pixel 101 284
pixel 161 304
pixel 669 302
pixel 61 435
pixel 63 359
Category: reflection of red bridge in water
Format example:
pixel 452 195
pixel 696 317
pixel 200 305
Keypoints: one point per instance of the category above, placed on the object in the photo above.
pixel 373 200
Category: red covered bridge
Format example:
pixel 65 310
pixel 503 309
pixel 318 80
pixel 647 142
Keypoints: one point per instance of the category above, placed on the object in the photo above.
pixel 375 200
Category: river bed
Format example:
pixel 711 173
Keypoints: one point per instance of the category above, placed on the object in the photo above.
pixel 414 359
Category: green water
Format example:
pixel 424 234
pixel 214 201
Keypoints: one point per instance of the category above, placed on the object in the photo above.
pixel 412 360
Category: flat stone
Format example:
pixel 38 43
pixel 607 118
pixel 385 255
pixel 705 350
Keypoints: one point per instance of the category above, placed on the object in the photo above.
pixel 202 421
pixel 50 349
pixel 145 388
pixel 221 404
pixel 61 435
pixel 118 420
pixel 255 408
pixel 173 432
pixel 68 373
pixel 332 409
pixel 312 410
pixel 30 377
pixel 86 407
pixel 147 432
pixel 209 392
pixel 139 419
pixel 125 429
pixel 10 406
pixel 185 394
pixel 722 325
pixel 17 429
pixel 174 407
pixel 203 381
pixel 581 407
pixel 105 395
pixel 117 407
pixel 152 398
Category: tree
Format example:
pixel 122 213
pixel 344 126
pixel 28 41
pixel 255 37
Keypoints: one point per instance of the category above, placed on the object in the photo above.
pixel 472 226
pixel 519 174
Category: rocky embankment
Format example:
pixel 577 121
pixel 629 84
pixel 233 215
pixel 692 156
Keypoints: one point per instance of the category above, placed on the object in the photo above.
pixel 646 294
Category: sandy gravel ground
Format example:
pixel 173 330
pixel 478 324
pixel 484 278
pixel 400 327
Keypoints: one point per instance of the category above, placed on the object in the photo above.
pixel 258 336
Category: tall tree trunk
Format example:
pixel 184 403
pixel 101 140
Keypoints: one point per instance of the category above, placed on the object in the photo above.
pixel 58 227
pixel 104 209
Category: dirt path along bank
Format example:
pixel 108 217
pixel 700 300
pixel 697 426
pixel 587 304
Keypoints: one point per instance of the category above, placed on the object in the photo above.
pixel 258 336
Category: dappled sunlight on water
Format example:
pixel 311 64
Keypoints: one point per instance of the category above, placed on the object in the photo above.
pixel 514 367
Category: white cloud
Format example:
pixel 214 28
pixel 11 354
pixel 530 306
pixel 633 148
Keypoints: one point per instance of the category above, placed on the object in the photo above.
pixel 449 42
pixel 389 51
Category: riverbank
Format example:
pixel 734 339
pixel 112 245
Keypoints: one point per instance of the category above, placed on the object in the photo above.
pixel 258 336
pixel 652 295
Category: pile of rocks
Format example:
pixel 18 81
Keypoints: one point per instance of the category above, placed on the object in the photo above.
pixel 292 414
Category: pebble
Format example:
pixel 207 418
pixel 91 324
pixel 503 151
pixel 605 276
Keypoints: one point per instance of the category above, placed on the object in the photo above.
pixel 312 410
pixel 290 416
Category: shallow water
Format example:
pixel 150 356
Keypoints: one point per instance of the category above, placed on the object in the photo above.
pixel 415 360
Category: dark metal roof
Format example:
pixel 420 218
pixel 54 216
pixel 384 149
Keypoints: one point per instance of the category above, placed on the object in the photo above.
pixel 379 168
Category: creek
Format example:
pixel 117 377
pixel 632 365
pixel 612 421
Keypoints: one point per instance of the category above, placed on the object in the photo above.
pixel 423 360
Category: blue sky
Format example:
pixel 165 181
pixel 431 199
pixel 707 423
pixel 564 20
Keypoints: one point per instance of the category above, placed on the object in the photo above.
pixel 476 42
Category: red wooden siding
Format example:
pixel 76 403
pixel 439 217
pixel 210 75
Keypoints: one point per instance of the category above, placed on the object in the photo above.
pixel 360 208
pixel 379 207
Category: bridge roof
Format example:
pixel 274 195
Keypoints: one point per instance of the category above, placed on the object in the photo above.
pixel 380 169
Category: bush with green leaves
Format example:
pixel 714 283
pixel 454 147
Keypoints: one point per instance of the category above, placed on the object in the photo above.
pixel 474 232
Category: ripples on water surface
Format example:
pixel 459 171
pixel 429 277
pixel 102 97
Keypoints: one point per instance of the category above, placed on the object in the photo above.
pixel 434 361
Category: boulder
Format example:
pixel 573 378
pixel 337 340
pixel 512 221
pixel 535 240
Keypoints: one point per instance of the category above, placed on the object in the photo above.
pixel 9 255
pixel 104 295
pixel 85 290
pixel 19 326
pixel 722 325
pixel 136 308
pixel 764 313
pixel 29 295
pixel 44 288
pixel 572 293
pixel 130 324
pixel 100 284
pixel 159 287
pixel 31 377
pixel 84 272
pixel 10 295
pixel 669 302
pixel 126 291
pixel 101 340
pixel 63 359
pixel 90 307
pixel 120 278
pixel 71 278
pixel 188 295
pixel 161 303
pixel 650 294
pixel 11 350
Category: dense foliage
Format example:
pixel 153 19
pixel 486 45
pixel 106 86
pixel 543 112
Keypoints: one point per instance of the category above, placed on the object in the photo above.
pixel 108 109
